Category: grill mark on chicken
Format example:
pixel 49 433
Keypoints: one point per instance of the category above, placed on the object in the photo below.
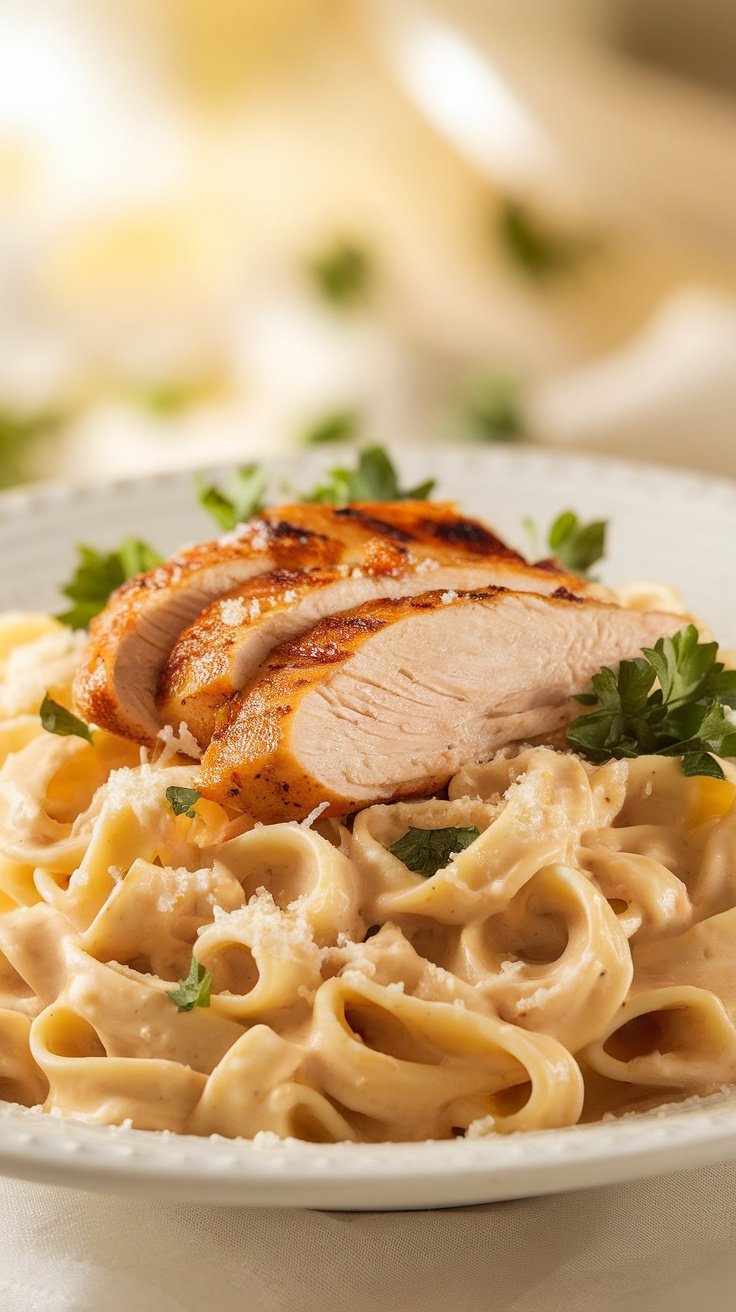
pixel 281 528
pixel 132 639
pixel 471 535
pixel 374 524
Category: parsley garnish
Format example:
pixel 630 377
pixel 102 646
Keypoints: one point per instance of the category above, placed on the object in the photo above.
pixel 577 546
pixel 98 574
pixel 374 479
pixel 531 247
pixel 242 498
pixel 194 991
pixel 425 851
pixel 342 273
pixel 183 800
pixel 687 715
pixel 57 719
pixel 340 426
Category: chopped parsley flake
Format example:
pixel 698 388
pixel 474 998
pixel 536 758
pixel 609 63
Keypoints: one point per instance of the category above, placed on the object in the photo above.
pixel 57 719
pixel 194 991
pixel 183 800
pixel 240 500
pixel 374 479
pixel 425 851
pixel 98 574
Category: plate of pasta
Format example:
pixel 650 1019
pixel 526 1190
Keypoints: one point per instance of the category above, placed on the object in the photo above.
pixel 368 852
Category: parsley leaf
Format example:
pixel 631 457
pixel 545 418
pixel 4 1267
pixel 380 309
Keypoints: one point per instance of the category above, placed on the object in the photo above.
pixel 577 546
pixel 242 498
pixel 425 851
pixel 339 426
pixel 701 763
pixel 194 991
pixel 374 479
pixel 183 800
pixel 57 719
pixel 342 273
pixel 98 574
pixel 687 715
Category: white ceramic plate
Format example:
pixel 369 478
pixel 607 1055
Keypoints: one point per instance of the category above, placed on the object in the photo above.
pixel 665 525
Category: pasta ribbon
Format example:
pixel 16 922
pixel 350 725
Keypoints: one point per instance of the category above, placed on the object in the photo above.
pixel 674 1038
pixel 417 1067
pixel 260 959
pixel 296 865
pixel 570 967
pixel 180 968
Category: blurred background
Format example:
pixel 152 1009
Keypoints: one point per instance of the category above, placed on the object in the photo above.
pixel 235 227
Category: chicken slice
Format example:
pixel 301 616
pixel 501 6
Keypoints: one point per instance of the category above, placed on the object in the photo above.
pixel 221 650
pixel 131 639
pixel 390 699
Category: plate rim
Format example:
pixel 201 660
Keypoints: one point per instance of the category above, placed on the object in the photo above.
pixel 531 454
pixel 36 1146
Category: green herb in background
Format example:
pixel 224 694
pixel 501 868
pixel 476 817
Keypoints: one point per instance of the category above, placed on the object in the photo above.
pixel 339 426
pixel 342 274
pixel 425 851
pixel 532 248
pixel 98 574
pixel 165 400
pixel 492 412
pixel 57 719
pixel 183 800
pixel 686 716
pixel 194 991
pixel 18 436
pixel 375 478
pixel 242 498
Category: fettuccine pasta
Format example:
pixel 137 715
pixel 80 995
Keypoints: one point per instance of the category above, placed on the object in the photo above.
pixel 571 961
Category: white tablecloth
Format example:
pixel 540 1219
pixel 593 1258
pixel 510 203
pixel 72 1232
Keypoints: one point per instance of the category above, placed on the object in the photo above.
pixel 664 1245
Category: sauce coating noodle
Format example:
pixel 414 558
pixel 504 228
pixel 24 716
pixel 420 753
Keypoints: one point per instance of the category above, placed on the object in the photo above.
pixel 574 960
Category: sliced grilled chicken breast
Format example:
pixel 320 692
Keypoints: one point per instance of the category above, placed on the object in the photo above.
pixel 131 639
pixel 390 699
pixel 221 650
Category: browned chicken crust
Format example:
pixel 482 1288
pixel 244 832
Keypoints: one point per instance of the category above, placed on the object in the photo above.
pixel 276 754
pixel 130 641
pixel 222 649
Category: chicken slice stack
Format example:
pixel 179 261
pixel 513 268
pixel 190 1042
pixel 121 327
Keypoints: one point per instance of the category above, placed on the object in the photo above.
pixel 349 654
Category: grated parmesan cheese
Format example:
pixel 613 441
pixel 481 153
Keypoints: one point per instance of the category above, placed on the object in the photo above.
pixel 184 742
pixel 314 814
pixel 232 611
pixel 251 532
